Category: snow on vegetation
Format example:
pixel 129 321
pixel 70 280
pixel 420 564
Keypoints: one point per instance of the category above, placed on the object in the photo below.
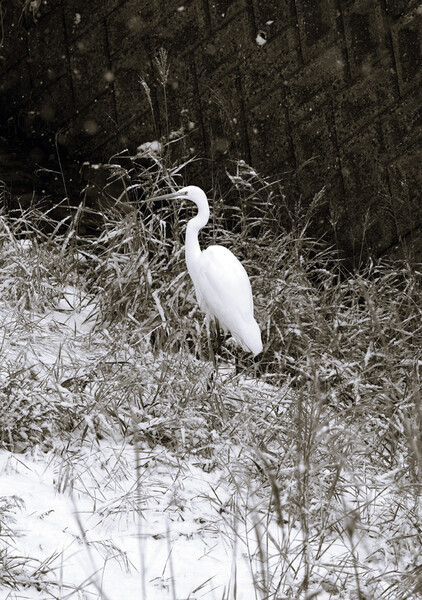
pixel 154 147
pixel 99 523
pixel 129 468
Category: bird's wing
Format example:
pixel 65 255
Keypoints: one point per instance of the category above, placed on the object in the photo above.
pixel 223 287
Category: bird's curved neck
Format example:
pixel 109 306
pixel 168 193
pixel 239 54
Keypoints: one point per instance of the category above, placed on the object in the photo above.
pixel 192 248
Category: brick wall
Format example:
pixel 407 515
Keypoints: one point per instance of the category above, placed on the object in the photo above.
pixel 315 92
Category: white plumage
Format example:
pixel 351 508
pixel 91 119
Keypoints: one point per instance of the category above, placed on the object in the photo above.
pixel 221 283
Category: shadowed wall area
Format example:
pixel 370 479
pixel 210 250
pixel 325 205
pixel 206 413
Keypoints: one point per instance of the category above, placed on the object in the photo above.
pixel 314 93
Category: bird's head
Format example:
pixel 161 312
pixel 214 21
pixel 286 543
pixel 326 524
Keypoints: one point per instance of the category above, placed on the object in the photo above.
pixel 191 192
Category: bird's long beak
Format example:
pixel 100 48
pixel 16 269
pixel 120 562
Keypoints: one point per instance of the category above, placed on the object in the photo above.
pixel 170 196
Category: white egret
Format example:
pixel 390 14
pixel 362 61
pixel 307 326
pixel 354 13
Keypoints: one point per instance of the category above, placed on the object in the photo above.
pixel 222 286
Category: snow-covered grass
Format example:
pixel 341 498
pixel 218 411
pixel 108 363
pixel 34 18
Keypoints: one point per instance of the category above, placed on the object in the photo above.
pixel 131 469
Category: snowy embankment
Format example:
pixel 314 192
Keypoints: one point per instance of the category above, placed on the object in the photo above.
pixel 104 516
pixel 125 474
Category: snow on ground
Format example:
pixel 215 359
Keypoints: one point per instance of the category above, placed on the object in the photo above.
pixel 111 520
pixel 48 337
pixel 158 536
pixel 107 519
pixel 117 522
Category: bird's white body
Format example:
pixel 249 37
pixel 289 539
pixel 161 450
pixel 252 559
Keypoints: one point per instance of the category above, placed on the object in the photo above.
pixel 223 291
pixel 221 283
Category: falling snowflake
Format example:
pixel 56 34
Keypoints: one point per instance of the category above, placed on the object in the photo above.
pixel 261 38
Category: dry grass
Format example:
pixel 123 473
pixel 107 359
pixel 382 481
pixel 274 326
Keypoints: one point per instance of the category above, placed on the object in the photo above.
pixel 324 446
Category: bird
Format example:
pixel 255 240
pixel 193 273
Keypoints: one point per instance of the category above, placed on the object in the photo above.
pixel 222 286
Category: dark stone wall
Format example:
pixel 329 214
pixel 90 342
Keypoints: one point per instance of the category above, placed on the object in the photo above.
pixel 315 92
